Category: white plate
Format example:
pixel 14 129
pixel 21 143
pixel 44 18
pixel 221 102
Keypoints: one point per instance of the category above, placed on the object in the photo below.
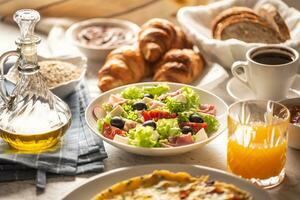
pixel 100 182
pixel 64 89
pixel 239 91
pixel 205 97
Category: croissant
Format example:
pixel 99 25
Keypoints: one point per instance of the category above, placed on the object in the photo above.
pixel 157 36
pixel 179 65
pixel 123 65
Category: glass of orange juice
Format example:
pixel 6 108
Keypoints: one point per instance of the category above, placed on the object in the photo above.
pixel 256 148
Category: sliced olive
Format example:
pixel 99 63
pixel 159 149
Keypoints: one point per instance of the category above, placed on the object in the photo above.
pixel 117 122
pixel 196 118
pixel 186 130
pixel 139 106
pixel 150 123
pixel 149 96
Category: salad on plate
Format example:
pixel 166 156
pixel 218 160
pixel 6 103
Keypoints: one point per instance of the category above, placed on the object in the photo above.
pixel 155 116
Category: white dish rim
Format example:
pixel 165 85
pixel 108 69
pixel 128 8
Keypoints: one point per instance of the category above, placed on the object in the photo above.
pixel 165 166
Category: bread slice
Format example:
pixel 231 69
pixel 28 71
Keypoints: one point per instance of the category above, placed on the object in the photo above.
pixel 231 12
pixel 248 30
pixel 233 17
pixel 269 13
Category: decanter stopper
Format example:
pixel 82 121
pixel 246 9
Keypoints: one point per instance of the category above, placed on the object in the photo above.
pixel 26 20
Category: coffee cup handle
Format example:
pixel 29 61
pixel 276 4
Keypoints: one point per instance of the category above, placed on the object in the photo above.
pixel 236 67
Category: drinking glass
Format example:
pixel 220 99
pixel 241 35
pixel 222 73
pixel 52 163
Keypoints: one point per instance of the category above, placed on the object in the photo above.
pixel 256 148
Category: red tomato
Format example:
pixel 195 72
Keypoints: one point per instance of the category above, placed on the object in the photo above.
pixel 195 126
pixel 110 131
pixel 157 114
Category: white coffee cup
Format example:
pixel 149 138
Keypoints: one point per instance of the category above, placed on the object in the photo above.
pixel 268 81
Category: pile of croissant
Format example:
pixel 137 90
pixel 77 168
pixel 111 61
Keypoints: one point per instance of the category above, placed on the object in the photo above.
pixel 162 51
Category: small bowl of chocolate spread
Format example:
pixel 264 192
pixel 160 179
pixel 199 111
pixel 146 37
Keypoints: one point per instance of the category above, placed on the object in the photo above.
pixel 97 37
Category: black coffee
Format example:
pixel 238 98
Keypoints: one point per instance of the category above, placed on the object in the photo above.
pixel 272 58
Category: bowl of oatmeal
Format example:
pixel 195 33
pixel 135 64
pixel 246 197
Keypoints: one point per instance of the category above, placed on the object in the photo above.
pixel 62 74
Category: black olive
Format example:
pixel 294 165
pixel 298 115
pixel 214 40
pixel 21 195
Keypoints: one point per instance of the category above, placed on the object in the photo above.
pixel 149 96
pixel 196 118
pixel 117 122
pixel 139 106
pixel 186 130
pixel 150 123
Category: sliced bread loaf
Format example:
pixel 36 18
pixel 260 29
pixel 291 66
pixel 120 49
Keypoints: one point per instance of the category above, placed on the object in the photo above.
pixel 233 17
pixel 248 30
pixel 231 12
pixel 269 13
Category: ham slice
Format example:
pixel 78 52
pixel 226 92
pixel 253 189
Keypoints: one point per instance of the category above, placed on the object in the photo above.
pixel 181 140
pixel 116 99
pixel 170 94
pixel 208 109
pixel 129 124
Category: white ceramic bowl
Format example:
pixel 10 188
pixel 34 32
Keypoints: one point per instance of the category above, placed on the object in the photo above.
pixel 98 53
pixel 64 89
pixel 205 97
pixel 294 130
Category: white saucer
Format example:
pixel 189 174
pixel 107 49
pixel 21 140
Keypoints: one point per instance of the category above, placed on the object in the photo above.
pixel 239 91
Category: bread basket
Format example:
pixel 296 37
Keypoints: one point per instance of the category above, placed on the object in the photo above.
pixel 196 23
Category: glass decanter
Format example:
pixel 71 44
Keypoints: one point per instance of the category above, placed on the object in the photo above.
pixel 32 118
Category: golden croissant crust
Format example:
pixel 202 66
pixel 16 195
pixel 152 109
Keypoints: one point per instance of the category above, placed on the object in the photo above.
pixel 179 65
pixel 157 36
pixel 123 65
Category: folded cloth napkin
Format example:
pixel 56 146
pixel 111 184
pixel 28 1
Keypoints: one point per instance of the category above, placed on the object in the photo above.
pixel 79 150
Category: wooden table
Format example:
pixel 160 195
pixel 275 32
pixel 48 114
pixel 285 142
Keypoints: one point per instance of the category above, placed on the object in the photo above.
pixel 212 155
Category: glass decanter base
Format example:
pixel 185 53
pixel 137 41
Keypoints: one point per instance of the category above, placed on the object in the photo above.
pixel 35 142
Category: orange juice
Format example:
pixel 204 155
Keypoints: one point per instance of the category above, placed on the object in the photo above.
pixel 256 150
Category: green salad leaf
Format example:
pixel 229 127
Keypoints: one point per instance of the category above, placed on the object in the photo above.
pixel 184 116
pixel 130 113
pixel 107 107
pixel 212 123
pixel 156 90
pixel 105 120
pixel 143 136
pixel 167 128
pixel 193 99
pixel 132 93
pixel 175 106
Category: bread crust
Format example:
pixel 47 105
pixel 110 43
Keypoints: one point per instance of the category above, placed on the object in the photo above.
pixel 123 65
pixel 230 12
pixel 274 34
pixel 236 17
pixel 179 65
pixel 271 15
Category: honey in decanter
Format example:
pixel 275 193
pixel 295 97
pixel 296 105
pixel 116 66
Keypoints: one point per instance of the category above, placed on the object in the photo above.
pixel 32 118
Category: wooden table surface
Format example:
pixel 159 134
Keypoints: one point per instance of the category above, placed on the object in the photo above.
pixel 212 155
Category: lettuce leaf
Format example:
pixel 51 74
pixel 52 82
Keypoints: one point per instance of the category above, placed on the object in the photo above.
pixel 130 113
pixel 212 123
pixel 175 106
pixel 143 136
pixel 132 93
pixel 193 99
pixel 167 128
pixel 156 90
pixel 102 121
pixel 184 116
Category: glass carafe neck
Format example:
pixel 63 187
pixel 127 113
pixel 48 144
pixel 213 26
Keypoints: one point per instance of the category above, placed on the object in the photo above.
pixel 27 42
pixel 28 60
